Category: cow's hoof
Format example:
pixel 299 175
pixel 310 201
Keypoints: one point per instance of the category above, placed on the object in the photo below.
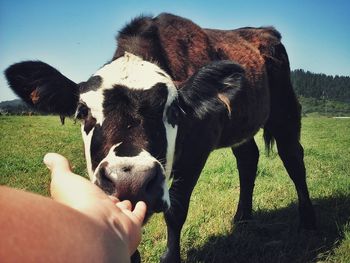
pixel 242 218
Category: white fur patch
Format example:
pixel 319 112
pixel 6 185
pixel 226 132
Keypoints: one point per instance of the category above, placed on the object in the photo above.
pixel 133 72
pixel 143 161
pixel 129 71
pixel 87 145
pixel 171 132
pixel 94 100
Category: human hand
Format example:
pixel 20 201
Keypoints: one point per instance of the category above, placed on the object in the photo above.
pixel 80 194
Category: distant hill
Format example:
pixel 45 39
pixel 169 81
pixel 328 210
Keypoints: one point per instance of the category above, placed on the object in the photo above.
pixel 15 107
pixel 323 94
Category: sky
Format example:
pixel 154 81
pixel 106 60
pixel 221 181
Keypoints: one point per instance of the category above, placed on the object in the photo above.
pixel 78 36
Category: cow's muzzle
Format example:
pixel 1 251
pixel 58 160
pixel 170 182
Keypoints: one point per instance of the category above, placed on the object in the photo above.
pixel 134 182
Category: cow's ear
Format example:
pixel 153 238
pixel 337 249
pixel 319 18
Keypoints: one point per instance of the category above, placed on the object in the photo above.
pixel 43 87
pixel 212 89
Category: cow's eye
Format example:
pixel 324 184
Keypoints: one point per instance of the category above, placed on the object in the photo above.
pixel 82 111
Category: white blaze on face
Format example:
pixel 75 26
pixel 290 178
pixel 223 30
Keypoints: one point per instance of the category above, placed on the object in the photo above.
pixel 132 72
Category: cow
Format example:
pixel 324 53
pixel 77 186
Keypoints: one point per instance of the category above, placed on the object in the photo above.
pixel 172 93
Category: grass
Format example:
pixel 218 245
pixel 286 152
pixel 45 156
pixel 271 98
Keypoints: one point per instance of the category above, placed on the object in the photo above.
pixel 324 107
pixel 208 234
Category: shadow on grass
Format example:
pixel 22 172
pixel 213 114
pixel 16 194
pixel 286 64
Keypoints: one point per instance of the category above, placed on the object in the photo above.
pixel 273 236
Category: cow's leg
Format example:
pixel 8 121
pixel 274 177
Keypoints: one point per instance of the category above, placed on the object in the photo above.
pixel 284 125
pixel 135 258
pixel 247 156
pixel 186 173
pixel 292 155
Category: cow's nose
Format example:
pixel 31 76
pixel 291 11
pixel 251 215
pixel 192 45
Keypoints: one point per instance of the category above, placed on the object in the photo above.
pixel 151 182
pixel 134 183
pixel 139 184
pixel 104 181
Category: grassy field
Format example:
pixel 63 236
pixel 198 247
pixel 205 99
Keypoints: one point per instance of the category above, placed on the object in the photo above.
pixel 209 235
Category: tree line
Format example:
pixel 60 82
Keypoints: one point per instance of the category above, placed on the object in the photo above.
pixel 321 86
pixel 322 94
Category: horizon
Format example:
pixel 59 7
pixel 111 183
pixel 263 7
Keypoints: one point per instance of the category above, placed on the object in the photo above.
pixel 78 37
pixel 306 71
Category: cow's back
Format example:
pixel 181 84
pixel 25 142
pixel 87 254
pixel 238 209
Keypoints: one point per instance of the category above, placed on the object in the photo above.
pixel 186 46
pixel 250 47
pixel 181 48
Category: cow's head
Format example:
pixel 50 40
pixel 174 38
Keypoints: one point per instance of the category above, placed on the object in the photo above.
pixel 129 142
pixel 128 112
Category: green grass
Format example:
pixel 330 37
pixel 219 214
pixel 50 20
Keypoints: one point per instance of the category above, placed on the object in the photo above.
pixel 324 107
pixel 208 234
pixel 25 140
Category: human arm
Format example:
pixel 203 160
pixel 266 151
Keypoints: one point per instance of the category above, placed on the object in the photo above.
pixel 80 224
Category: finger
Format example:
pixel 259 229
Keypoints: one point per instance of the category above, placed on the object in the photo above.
pixel 140 211
pixel 67 187
pixel 126 204
pixel 57 163
pixel 114 199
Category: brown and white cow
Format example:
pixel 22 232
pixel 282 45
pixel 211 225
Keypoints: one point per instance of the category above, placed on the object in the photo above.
pixel 171 94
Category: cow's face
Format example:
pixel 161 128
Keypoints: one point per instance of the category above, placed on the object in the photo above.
pixel 129 143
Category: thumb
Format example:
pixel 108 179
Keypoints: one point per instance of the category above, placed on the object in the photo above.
pixel 57 164
pixel 61 186
pixel 140 212
pixel 71 189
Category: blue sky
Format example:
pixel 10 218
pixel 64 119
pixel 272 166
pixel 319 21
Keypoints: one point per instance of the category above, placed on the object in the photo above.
pixel 77 37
